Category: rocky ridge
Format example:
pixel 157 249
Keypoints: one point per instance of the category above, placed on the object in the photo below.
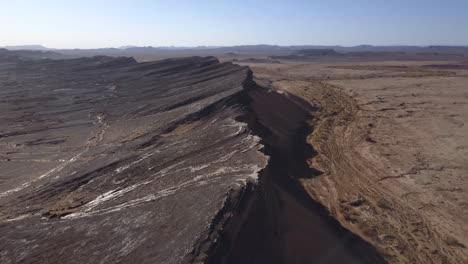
pixel 175 161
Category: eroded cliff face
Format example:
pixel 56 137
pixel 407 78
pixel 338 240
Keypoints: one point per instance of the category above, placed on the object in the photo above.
pixel 280 222
pixel 107 160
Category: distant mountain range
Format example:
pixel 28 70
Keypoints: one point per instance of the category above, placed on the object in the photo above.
pixel 267 48
pixel 263 50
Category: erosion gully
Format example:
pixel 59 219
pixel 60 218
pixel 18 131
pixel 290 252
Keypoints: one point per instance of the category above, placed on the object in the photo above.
pixel 278 222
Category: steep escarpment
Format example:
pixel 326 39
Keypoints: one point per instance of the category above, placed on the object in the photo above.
pixel 279 222
pixel 107 160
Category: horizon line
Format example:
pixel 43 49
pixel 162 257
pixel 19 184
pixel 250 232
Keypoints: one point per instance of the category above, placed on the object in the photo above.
pixel 239 45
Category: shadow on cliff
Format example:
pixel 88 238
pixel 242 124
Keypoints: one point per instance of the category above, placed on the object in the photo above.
pixel 279 222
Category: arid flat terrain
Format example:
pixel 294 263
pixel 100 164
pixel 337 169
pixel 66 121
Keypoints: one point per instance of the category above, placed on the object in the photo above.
pixel 391 145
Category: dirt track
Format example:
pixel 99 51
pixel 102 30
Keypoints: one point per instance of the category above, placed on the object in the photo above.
pixel 392 145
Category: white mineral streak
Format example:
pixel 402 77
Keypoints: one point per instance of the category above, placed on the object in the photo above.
pixel 238 174
pixel 241 174
pixel 125 167
pixel 48 173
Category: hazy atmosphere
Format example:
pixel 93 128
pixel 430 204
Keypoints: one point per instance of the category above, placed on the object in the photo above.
pixel 92 24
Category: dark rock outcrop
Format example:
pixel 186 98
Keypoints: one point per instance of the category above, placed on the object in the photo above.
pixel 107 160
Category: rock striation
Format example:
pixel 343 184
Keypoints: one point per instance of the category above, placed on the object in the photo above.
pixel 106 160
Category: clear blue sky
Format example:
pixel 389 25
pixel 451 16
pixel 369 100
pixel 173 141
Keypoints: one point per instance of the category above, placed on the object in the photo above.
pixel 113 23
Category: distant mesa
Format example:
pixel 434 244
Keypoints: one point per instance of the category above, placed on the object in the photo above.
pixel 26 47
pixel 317 52
pixel 17 55
pixel 127 47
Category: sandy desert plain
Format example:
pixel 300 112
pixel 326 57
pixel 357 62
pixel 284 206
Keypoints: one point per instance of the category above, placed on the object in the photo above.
pixel 391 145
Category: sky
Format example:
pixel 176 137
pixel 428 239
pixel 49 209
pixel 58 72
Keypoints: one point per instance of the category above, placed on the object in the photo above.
pixel 115 23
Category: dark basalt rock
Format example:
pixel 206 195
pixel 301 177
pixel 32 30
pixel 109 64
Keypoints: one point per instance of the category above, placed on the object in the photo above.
pixel 106 160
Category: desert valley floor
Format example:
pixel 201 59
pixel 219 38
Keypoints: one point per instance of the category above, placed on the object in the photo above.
pixel 391 143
